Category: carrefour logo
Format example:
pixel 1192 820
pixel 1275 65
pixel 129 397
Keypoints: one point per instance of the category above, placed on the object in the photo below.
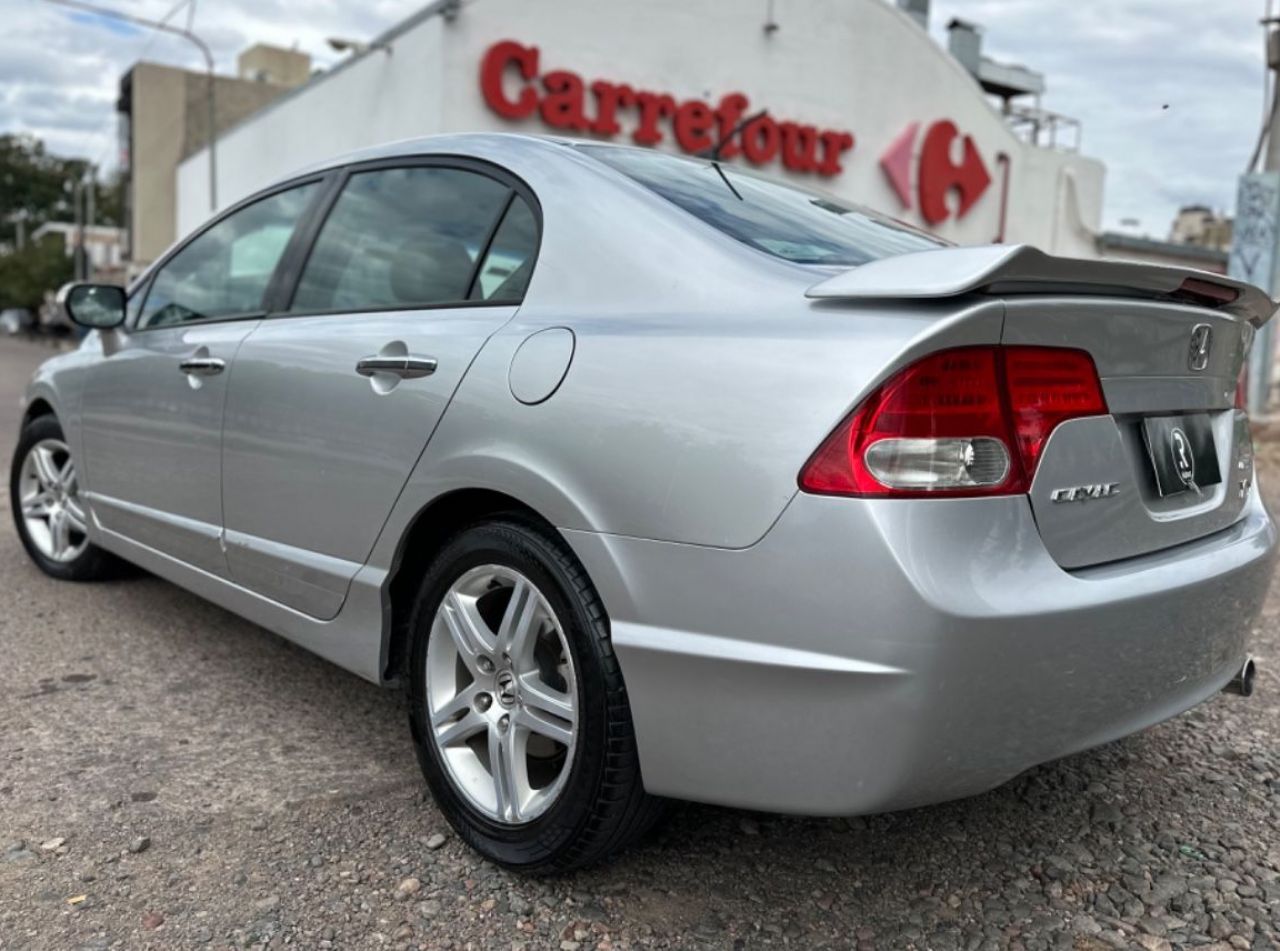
pixel 516 87
pixel 937 173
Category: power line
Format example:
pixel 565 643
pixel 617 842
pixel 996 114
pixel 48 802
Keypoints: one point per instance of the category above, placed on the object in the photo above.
pixel 142 51
pixel 208 60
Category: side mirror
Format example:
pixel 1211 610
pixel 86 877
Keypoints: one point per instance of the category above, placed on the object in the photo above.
pixel 96 306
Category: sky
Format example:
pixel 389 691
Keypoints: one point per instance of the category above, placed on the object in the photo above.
pixel 1170 92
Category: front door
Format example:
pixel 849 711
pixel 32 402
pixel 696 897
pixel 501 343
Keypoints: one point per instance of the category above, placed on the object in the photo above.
pixel 334 399
pixel 153 406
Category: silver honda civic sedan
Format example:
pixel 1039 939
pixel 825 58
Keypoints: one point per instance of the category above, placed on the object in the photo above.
pixel 647 478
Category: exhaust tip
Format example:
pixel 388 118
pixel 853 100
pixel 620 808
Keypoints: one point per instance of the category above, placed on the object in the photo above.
pixel 1242 683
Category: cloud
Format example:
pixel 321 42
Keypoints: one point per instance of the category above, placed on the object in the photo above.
pixel 60 68
pixel 1169 91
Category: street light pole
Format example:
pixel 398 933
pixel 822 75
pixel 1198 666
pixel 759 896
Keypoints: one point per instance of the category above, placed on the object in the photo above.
pixel 90 213
pixel 91 200
pixel 19 221
pixel 208 62
pixel 77 245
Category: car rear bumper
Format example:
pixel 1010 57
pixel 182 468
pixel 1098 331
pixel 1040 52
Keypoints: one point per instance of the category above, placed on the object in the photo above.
pixel 873 655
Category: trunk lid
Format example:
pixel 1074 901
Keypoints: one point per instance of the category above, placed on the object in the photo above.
pixel 1169 345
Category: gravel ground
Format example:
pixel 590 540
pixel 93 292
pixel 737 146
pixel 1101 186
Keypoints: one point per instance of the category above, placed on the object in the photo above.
pixel 174 777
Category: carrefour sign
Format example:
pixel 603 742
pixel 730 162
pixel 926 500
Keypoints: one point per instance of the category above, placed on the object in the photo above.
pixel 515 87
pixel 920 168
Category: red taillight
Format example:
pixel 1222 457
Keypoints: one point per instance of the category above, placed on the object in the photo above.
pixel 968 421
pixel 1242 388
pixel 1047 386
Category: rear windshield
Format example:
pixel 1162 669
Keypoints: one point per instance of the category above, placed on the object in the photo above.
pixel 795 224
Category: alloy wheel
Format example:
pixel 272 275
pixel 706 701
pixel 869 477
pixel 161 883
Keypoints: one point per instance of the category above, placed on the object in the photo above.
pixel 501 693
pixel 49 499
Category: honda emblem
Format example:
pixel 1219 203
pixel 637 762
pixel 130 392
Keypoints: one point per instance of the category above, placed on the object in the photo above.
pixel 1201 344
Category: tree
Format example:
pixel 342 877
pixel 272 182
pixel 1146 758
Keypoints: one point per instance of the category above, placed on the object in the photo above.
pixel 39 185
pixel 26 275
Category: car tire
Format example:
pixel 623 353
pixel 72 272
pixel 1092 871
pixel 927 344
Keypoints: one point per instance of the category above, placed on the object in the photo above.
pixel 601 805
pixel 82 560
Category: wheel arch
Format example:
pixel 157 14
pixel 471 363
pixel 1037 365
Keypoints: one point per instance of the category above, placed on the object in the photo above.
pixel 427 533
pixel 39 406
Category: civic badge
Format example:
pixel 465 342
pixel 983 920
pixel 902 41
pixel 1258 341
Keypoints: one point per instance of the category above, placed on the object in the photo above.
pixel 1201 345
pixel 1085 493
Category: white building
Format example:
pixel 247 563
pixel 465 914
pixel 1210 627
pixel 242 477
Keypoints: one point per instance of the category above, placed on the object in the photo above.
pixel 861 102
pixel 103 244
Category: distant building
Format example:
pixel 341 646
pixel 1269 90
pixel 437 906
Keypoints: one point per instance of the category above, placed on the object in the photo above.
pixel 1198 238
pixel 103 244
pixel 261 63
pixel 1012 83
pixel 1144 250
pixel 1201 226
pixel 852 97
pixel 164 118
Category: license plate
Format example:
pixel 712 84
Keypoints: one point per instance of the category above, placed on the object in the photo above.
pixel 1182 453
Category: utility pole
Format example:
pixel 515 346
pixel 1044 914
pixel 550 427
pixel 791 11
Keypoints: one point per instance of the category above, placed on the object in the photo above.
pixel 1262 359
pixel 1272 163
pixel 77 249
pixel 1255 244
pixel 90 213
pixel 19 219
pixel 91 206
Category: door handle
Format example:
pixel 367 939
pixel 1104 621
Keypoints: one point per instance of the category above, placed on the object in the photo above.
pixel 407 368
pixel 202 366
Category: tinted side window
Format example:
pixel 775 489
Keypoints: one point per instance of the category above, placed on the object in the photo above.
pixel 509 264
pixel 401 237
pixel 226 270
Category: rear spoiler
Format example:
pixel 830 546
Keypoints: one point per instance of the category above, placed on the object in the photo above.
pixel 1021 269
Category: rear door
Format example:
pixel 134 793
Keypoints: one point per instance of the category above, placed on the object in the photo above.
pixel 1174 460
pixel 152 417
pixel 335 395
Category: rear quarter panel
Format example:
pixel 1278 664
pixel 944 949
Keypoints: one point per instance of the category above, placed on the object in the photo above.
pixel 688 427
pixel 701 380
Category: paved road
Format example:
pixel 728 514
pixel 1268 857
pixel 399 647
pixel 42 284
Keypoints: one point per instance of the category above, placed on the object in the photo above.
pixel 212 786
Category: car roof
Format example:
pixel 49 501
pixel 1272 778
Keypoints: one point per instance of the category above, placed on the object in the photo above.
pixel 484 145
